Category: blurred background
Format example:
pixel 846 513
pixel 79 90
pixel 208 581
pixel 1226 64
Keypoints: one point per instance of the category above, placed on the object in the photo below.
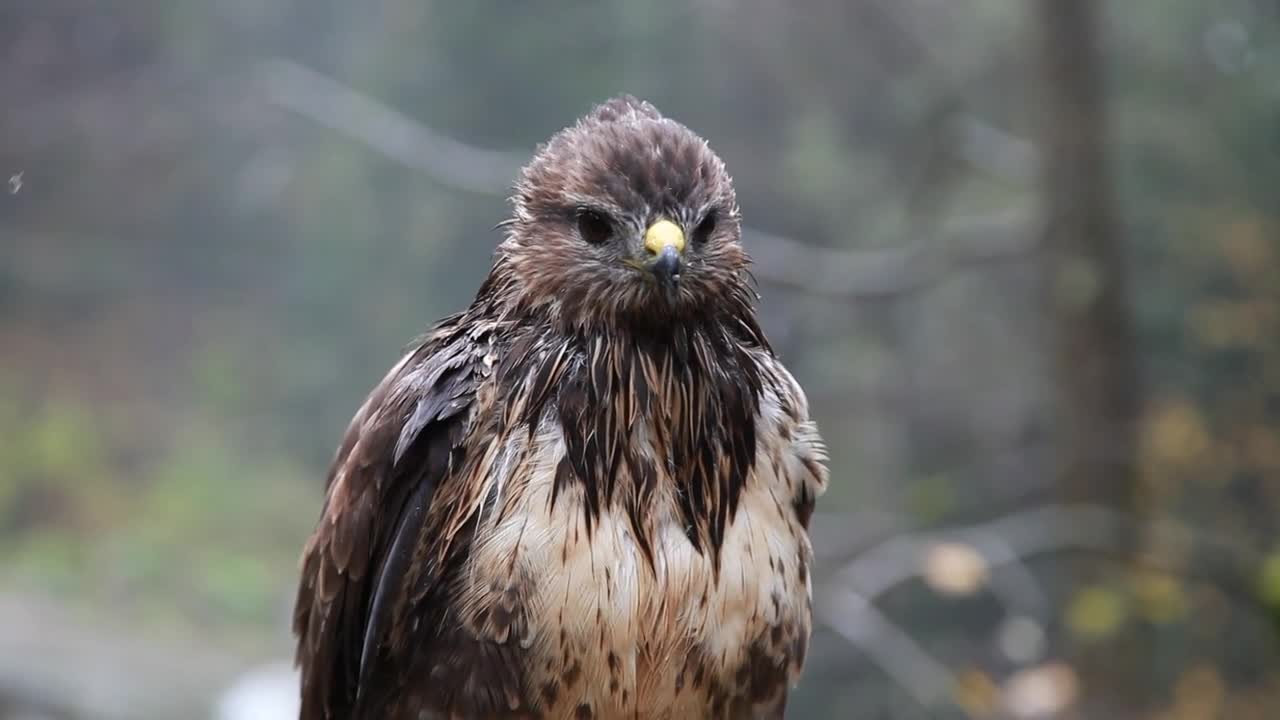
pixel 1022 255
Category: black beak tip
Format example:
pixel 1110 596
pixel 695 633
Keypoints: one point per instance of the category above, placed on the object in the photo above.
pixel 667 265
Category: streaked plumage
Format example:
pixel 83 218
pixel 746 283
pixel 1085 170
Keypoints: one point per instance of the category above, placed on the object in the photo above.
pixel 587 495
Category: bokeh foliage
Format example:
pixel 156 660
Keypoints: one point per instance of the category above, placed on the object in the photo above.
pixel 197 286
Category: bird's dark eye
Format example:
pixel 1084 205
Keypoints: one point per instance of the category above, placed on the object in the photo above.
pixel 705 228
pixel 594 227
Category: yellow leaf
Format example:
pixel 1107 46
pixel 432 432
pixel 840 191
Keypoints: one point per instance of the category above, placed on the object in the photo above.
pixel 976 692
pixel 1223 324
pixel 1199 693
pixel 1208 325
pixel 1175 434
pixel 1160 597
pixel 955 569
pixel 1095 612
pixel 1042 691
pixel 1246 247
pixel 1270 585
pixel 1263 447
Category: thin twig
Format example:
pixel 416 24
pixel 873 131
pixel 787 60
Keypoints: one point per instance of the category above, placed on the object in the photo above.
pixel 891 648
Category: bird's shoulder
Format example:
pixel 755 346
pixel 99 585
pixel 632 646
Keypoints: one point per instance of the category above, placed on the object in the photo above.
pixel 398 449
pixel 791 439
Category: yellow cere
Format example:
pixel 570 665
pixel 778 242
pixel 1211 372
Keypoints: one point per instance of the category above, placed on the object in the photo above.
pixel 661 234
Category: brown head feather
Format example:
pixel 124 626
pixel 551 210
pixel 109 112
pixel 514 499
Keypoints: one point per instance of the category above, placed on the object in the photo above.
pixel 629 166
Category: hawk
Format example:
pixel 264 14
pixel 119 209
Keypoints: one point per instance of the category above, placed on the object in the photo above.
pixel 587 495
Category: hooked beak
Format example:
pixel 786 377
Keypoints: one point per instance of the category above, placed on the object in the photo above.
pixel 664 240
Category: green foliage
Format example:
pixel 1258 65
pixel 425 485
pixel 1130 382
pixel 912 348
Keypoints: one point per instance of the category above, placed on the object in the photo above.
pixel 197 288
pixel 208 533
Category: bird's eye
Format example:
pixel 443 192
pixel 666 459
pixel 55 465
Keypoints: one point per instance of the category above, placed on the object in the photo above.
pixel 705 228
pixel 594 227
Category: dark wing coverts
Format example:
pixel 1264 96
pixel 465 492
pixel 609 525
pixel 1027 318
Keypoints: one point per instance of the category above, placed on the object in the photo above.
pixel 397 451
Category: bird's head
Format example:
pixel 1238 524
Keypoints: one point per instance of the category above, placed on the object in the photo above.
pixel 626 217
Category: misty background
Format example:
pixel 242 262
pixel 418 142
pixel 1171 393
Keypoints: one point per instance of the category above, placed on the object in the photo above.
pixel 1022 256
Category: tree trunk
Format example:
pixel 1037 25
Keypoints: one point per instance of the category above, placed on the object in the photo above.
pixel 1096 379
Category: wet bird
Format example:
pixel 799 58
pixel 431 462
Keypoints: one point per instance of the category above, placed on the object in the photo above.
pixel 587 495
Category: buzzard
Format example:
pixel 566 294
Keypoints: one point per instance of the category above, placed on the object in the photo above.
pixel 587 495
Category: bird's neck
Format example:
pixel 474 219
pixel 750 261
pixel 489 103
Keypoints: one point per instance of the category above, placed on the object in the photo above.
pixel 646 412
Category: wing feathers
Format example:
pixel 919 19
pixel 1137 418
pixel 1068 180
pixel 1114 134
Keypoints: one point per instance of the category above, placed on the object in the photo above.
pixel 391 572
pixel 394 455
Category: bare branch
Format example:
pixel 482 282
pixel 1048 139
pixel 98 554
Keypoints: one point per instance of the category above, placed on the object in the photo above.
pixel 995 151
pixel 891 648
pixel 1021 535
pixel 781 261
pixel 341 108
pixel 892 272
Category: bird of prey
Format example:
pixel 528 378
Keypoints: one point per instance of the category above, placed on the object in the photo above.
pixel 587 495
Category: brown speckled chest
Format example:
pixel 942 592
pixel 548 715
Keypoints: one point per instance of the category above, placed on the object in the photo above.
pixel 593 625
